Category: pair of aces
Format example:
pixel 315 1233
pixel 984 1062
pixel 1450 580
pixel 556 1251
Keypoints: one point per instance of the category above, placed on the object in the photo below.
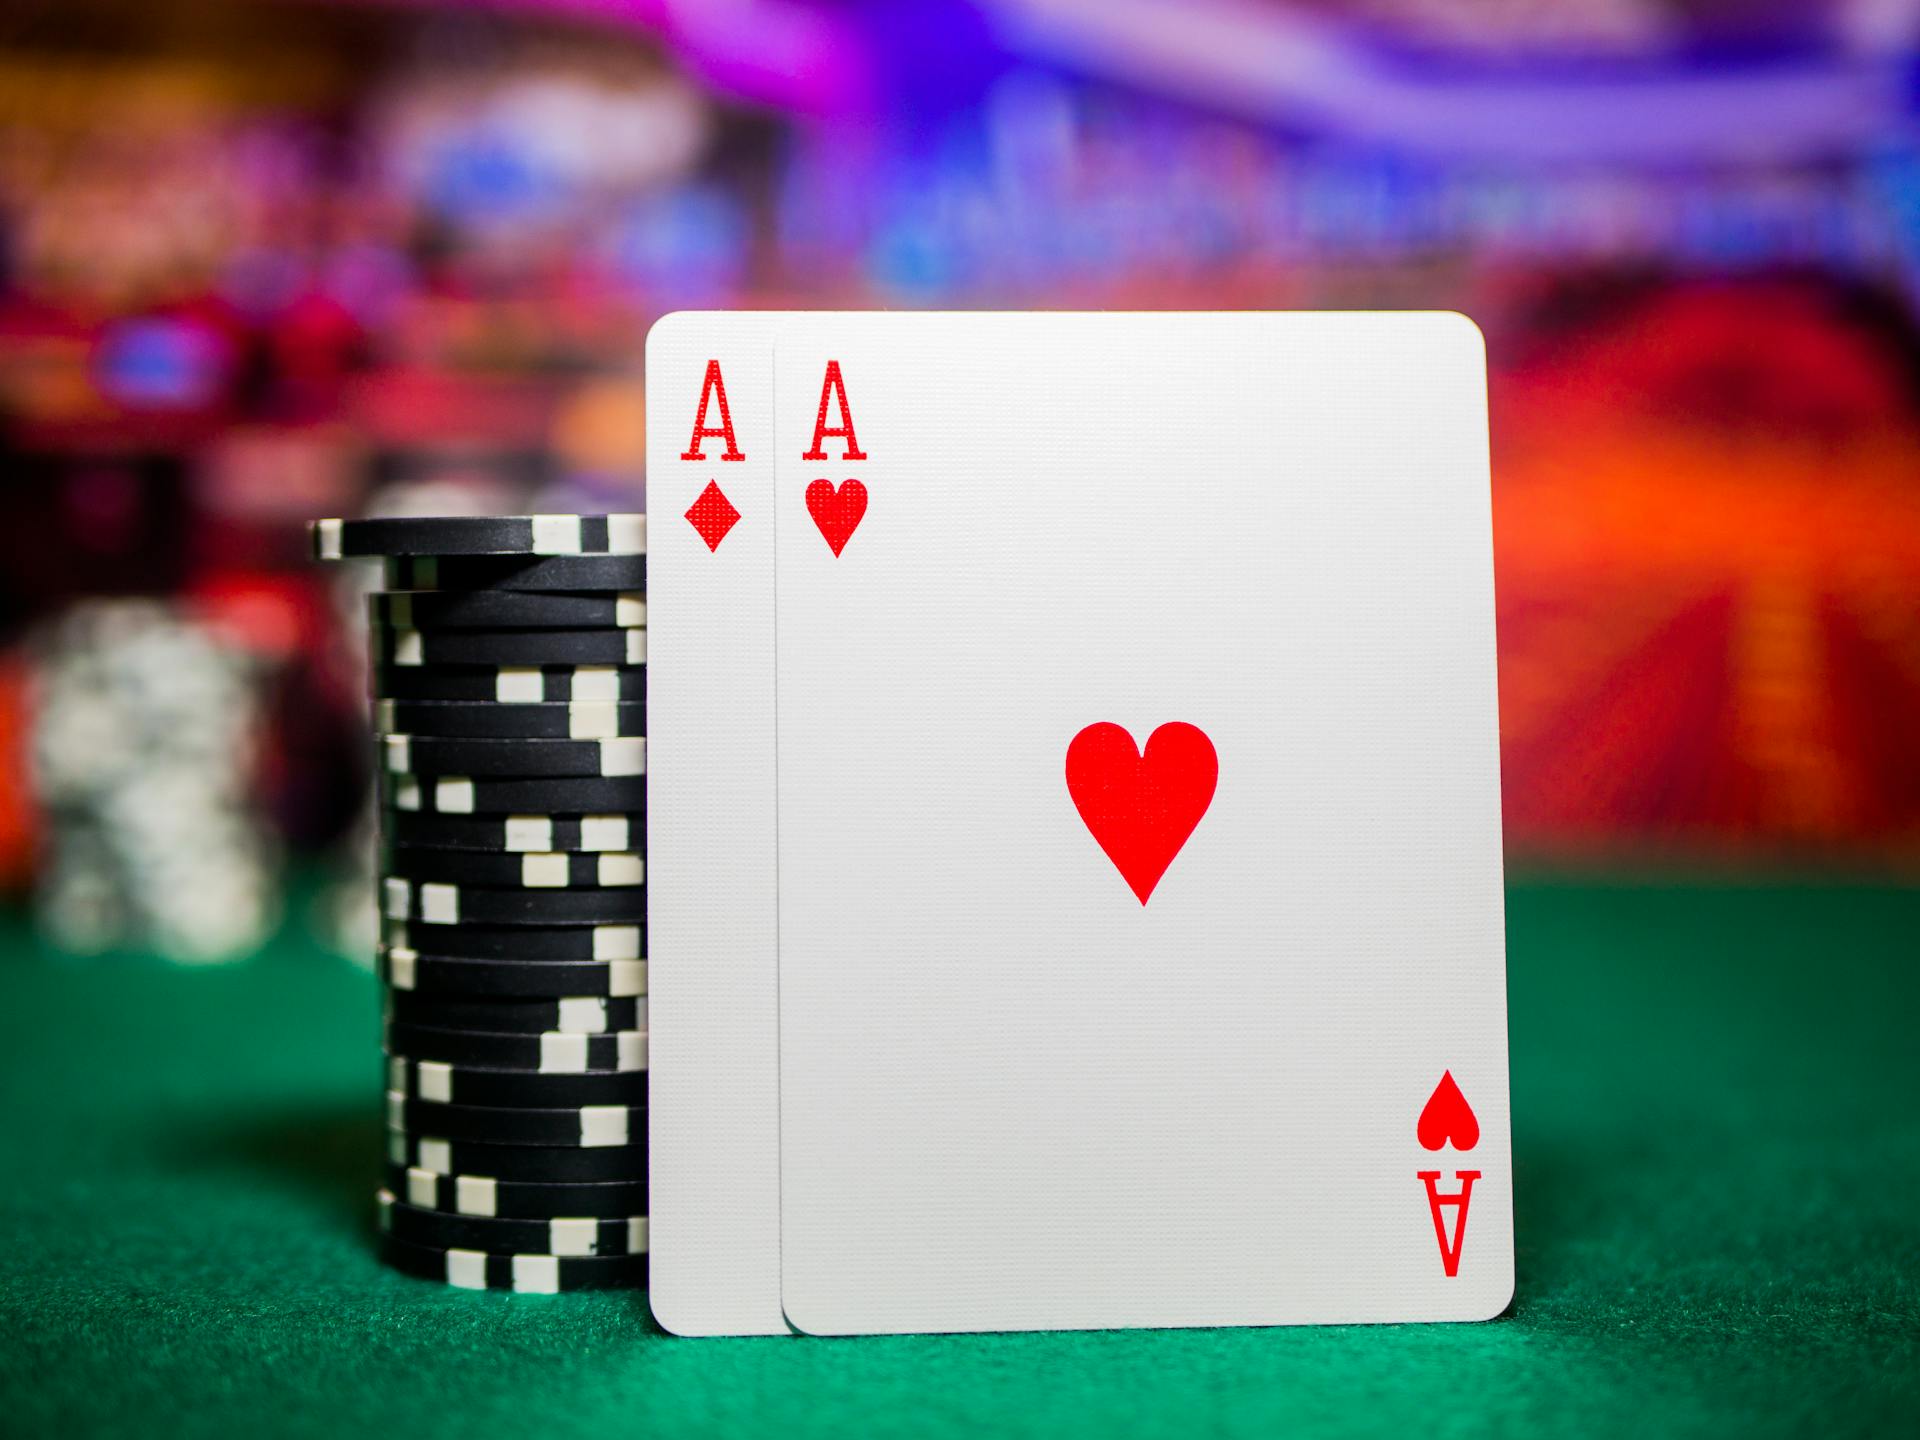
pixel 1075 892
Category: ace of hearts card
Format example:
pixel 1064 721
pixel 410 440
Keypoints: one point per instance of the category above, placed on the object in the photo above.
pixel 1136 929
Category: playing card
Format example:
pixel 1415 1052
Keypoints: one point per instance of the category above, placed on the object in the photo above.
pixel 1141 954
pixel 714 1095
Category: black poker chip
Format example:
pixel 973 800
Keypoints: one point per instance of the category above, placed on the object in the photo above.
pixel 526 870
pixel 491 795
pixel 553 1052
pixel 577 1236
pixel 524 759
pixel 518 942
pixel 445 1084
pixel 504 610
pixel 516 572
pixel 509 680
pixel 444 904
pixel 491 720
pixel 509 684
pixel 587 1126
pixel 481 535
pixel 483 1195
pixel 569 1014
pixel 551 1164
pixel 405 969
pixel 413 649
pixel 517 834
pixel 523 1274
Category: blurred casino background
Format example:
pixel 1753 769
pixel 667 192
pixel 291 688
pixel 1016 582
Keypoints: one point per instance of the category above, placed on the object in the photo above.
pixel 262 261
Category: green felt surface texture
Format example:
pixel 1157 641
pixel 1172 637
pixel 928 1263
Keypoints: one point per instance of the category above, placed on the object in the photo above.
pixel 1717 1192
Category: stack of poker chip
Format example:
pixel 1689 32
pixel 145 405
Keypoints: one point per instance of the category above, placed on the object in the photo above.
pixel 507 660
pixel 144 727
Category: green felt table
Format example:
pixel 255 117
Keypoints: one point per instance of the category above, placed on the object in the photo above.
pixel 1717 1192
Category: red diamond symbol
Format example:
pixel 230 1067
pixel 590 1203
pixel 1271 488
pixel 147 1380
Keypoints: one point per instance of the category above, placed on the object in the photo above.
pixel 713 516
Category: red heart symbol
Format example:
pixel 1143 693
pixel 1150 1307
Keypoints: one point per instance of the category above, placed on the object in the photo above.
pixel 837 512
pixel 1447 1116
pixel 1140 807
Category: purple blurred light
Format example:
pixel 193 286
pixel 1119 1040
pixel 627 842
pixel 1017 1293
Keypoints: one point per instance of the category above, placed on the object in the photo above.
pixel 1293 69
pixel 783 53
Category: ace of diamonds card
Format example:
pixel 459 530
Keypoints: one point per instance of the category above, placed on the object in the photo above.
pixel 1139 908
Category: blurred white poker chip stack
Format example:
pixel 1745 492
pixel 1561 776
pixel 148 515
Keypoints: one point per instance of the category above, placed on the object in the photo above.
pixel 145 729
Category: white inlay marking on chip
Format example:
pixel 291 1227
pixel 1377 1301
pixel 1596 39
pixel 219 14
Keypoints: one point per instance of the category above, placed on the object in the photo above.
pixel 583 1014
pixel 475 1195
pixel 545 872
pixel 616 942
pixel 440 904
pixel 433 1080
pixel 620 869
pixel 603 1125
pixel 592 719
pixel 556 534
pixel 519 685
pixel 626 534
pixel 573 1237
pixel 563 1054
pixel 624 756
pixel 467 1269
pixel 423 1187
pixel 529 832
pixel 595 682
pixel 604 832
pixel 536 1274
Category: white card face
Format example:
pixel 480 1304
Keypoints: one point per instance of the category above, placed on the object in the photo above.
pixel 1072 1037
pixel 714 1086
